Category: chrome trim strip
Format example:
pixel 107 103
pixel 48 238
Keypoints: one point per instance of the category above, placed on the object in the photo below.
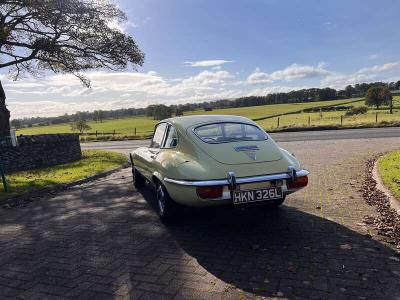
pixel 238 180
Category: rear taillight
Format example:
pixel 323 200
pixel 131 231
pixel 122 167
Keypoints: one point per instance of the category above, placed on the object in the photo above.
pixel 210 192
pixel 298 182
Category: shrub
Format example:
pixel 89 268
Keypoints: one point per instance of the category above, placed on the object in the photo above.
pixel 328 108
pixel 357 111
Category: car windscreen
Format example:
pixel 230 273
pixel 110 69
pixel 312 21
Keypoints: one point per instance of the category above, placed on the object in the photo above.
pixel 226 132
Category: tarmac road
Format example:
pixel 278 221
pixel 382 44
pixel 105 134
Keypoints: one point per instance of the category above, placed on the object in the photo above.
pixel 365 133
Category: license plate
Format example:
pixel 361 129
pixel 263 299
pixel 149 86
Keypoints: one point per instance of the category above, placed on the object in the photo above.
pixel 240 197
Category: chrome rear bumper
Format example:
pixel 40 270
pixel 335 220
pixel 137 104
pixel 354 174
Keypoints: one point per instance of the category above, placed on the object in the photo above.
pixel 239 180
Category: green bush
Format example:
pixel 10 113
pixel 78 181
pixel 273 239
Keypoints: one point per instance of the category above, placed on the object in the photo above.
pixel 328 108
pixel 357 111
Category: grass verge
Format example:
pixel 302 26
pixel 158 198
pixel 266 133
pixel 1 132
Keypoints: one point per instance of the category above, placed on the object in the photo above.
pixel 294 128
pixel 389 171
pixel 92 163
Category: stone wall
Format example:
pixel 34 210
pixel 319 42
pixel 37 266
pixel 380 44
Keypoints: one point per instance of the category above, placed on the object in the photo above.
pixel 38 151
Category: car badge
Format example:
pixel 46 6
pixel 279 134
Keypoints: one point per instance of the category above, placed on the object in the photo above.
pixel 246 148
pixel 251 154
pixel 250 151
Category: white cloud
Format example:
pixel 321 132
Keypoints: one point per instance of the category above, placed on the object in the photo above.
pixel 368 74
pixel 216 68
pixel 274 89
pixel 206 78
pixel 290 73
pixel 379 68
pixel 65 93
pixel 207 63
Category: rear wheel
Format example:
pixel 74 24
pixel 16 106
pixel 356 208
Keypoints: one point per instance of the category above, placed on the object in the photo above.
pixel 138 180
pixel 167 208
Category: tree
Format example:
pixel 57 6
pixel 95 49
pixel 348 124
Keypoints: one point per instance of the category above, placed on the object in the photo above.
pixel 80 125
pixel 4 114
pixel 378 96
pixel 98 116
pixel 63 36
pixel 17 124
pixel 161 112
pixel 397 85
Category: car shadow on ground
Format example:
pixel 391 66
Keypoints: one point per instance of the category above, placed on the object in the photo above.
pixel 103 241
pixel 285 252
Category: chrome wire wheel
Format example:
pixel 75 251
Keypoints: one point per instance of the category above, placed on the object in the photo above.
pixel 160 199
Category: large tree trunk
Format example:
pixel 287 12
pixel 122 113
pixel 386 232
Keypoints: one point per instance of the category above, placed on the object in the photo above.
pixel 4 115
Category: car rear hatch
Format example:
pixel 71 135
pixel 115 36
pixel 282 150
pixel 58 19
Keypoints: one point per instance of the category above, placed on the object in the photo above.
pixel 243 152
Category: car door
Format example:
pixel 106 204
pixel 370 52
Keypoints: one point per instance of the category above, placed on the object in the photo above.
pixel 149 155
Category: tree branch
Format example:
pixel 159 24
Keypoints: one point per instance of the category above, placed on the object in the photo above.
pixel 19 61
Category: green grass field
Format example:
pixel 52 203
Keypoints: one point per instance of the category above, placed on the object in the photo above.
pixel 389 171
pixel 126 126
pixel 255 112
pixel 93 162
pixel 329 118
pixel 144 126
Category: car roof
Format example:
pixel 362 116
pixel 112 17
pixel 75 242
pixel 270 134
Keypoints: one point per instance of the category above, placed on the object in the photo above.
pixel 188 121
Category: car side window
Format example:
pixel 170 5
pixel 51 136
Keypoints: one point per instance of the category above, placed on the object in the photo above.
pixel 158 135
pixel 172 138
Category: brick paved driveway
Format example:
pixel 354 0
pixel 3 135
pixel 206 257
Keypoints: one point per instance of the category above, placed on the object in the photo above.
pixel 103 240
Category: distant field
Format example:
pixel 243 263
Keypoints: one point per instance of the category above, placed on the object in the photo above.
pixel 333 118
pixel 328 118
pixel 254 112
pixel 144 126
pixel 124 126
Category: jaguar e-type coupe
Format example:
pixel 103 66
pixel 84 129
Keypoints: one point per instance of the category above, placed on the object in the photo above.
pixel 215 160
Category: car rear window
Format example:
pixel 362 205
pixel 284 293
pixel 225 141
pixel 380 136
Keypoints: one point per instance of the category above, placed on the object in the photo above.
pixel 229 132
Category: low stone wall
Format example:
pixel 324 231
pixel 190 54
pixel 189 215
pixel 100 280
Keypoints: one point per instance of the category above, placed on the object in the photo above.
pixel 38 151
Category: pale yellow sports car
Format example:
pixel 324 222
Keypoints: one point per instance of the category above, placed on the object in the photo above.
pixel 215 160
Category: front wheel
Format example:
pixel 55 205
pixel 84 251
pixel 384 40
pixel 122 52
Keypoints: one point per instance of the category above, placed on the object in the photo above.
pixel 167 208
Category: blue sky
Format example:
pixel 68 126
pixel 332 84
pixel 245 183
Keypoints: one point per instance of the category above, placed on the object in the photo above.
pixel 200 50
pixel 269 34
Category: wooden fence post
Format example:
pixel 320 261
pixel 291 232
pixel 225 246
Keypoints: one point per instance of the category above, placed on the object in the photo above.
pixel 376 117
pixel 135 131
pixel 309 120
pixel 278 122
pixel 341 120
pixel 96 134
pixel 114 133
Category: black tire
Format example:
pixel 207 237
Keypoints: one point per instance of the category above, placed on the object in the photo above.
pixel 167 209
pixel 138 180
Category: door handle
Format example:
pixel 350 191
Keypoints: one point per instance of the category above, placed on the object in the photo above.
pixel 152 156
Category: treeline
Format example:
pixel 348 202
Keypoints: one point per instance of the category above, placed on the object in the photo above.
pixel 164 111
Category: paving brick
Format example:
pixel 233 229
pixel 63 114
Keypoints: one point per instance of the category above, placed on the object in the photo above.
pixel 103 241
